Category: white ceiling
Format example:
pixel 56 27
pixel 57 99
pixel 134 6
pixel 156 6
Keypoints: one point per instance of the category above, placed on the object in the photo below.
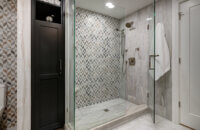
pixel 122 7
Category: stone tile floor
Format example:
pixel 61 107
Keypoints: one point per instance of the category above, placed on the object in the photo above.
pixel 94 115
pixel 145 123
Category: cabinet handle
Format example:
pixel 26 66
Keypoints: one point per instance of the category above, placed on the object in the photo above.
pixel 60 66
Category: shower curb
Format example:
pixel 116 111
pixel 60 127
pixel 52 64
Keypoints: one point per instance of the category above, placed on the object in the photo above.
pixel 124 119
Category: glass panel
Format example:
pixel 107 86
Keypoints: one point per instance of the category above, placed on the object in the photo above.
pixel 70 64
pixel 151 66
pixel 163 84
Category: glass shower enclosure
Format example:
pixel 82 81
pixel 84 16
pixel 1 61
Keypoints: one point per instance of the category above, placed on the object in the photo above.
pixel 110 55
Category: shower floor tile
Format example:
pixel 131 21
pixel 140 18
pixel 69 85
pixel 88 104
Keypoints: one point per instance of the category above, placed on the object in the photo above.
pixel 94 115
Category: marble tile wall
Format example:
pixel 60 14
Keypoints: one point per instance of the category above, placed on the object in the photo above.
pixel 8 60
pixel 97 58
pixel 69 64
pixel 138 83
pixel 137 75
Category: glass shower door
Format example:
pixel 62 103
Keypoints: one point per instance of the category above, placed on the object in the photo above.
pixel 106 82
pixel 152 56
pixel 69 65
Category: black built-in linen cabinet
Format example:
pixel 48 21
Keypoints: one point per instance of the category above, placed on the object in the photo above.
pixel 47 66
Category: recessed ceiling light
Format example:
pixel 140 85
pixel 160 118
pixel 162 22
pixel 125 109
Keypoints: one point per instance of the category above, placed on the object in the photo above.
pixel 110 5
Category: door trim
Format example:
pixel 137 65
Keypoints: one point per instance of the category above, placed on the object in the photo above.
pixel 175 60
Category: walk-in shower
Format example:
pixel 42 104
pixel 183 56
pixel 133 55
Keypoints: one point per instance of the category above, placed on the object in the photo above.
pixel 111 74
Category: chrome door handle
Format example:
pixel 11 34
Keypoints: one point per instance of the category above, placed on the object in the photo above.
pixel 150 56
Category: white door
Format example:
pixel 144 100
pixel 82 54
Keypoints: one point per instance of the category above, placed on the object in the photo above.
pixel 190 64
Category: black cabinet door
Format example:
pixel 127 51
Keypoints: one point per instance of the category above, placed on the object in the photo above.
pixel 48 76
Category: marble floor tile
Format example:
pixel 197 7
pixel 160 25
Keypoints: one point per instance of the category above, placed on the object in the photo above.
pixel 94 115
pixel 145 123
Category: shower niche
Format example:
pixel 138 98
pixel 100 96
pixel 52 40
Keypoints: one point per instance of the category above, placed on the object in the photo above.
pixel 48 11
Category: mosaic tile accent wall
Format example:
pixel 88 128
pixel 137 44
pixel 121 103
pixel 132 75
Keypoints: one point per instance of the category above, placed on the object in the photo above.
pixel 8 60
pixel 97 58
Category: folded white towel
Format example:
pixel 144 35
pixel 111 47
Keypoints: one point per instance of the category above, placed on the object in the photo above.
pixel 162 62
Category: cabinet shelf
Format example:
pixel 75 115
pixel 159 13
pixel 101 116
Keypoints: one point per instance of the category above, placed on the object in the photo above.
pixel 45 9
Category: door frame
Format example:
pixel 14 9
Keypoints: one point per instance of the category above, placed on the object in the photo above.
pixel 175 60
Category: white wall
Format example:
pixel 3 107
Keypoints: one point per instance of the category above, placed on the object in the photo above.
pixel 137 75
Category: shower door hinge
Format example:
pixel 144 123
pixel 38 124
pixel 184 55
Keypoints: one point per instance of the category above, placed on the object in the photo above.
pixel 179 104
pixel 179 60
pixel 180 14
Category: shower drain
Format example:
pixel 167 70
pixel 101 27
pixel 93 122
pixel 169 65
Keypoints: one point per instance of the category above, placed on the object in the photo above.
pixel 106 110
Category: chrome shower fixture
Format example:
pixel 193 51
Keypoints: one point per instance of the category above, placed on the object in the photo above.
pixel 130 25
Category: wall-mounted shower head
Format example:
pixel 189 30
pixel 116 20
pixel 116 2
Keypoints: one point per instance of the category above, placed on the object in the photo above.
pixel 129 24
